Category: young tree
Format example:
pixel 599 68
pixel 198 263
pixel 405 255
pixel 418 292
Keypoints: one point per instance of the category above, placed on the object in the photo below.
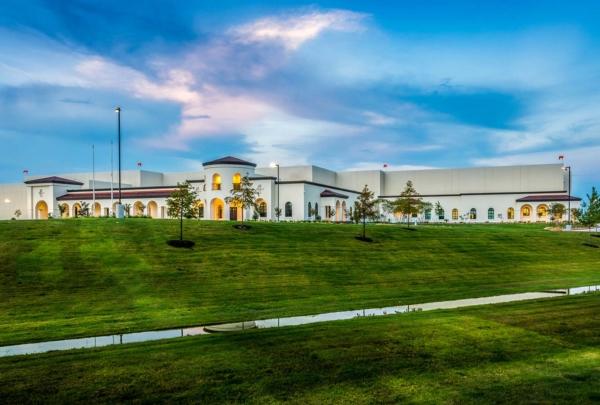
pixel 439 210
pixel 409 203
pixel 85 209
pixel 589 214
pixel 557 210
pixel 127 209
pixel 18 214
pixel 181 203
pixel 365 208
pixel 244 196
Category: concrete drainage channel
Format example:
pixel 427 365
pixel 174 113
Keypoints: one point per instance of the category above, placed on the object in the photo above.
pixel 109 340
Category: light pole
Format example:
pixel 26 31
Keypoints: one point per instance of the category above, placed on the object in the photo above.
pixel 120 210
pixel 568 168
pixel 278 212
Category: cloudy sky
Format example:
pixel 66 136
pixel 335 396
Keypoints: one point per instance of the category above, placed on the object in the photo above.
pixel 341 84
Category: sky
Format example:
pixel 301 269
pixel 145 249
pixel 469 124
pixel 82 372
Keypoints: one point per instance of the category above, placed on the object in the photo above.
pixel 339 84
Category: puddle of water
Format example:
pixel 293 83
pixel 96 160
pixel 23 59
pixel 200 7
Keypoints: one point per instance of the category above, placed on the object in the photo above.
pixel 101 341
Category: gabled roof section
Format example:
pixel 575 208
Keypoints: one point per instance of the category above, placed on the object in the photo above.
pixel 54 179
pixel 329 193
pixel 229 160
pixel 547 198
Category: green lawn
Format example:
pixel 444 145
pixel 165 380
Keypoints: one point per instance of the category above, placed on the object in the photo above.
pixel 537 352
pixel 67 278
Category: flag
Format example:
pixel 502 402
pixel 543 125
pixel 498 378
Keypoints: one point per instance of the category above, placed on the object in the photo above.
pixel 561 157
pixel 385 165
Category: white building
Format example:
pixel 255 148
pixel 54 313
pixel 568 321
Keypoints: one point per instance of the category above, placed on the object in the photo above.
pixel 490 194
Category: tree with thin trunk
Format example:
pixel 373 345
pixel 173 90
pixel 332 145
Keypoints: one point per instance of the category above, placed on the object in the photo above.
pixel 439 210
pixel 557 210
pixel 365 208
pixel 244 196
pixel 409 203
pixel 181 203
pixel 589 214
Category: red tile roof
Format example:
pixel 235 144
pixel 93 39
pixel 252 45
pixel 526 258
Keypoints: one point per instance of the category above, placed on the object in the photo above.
pixel 329 193
pixel 548 197
pixel 53 179
pixel 103 195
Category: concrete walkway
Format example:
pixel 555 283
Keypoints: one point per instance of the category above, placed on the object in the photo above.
pixel 101 341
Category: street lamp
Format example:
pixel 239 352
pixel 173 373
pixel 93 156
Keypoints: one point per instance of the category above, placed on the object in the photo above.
pixel 120 209
pixel 568 169
pixel 278 212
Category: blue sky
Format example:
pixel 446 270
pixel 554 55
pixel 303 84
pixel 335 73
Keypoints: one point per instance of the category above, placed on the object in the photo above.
pixel 341 84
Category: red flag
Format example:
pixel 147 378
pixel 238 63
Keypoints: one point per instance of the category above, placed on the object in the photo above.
pixel 25 171
pixel 561 157
pixel 139 164
pixel 385 165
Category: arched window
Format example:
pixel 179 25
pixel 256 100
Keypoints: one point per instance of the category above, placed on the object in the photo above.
pixel 317 211
pixel 309 210
pixel 542 211
pixel 526 211
pixel 216 181
pixel 490 213
pixel 199 205
pixel 288 209
pixel 237 181
pixel 510 214
pixel 428 214
pixel 454 214
pixel 473 213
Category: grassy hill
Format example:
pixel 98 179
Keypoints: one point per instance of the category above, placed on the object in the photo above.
pixel 546 351
pixel 66 278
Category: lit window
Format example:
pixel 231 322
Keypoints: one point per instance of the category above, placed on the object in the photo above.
pixel 237 180
pixel 216 181
pixel 262 209
pixel 510 214
pixel 454 214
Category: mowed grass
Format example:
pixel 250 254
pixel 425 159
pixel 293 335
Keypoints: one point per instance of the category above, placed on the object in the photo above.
pixel 68 278
pixel 536 352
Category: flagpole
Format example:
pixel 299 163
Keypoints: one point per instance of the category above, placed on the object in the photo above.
pixel 111 178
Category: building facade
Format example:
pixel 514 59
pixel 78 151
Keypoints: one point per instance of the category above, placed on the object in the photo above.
pixel 489 194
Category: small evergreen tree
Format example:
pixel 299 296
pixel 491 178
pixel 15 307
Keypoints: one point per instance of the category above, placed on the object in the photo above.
pixel 365 208
pixel 18 214
pixel 589 214
pixel 244 196
pixel 409 203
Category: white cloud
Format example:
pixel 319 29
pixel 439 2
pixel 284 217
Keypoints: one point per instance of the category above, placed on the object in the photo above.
pixel 291 31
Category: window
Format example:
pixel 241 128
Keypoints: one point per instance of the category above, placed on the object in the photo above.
pixel 441 214
pixel 510 214
pixel 526 211
pixel 237 181
pixel 542 211
pixel 490 213
pixel 309 210
pixel 216 181
pixel 473 213
pixel 428 214
pixel 454 214
pixel 262 209
pixel 317 211
pixel 288 209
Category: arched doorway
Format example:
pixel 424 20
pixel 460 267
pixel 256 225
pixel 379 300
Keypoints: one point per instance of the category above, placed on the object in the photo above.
pixel 138 209
pixel 76 210
pixel 153 209
pixel 526 212
pixel 41 210
pixel 216 209
pixel 338 209
pixel 64 210
pixel 199 207
pixel 97 209
pixel 510 214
